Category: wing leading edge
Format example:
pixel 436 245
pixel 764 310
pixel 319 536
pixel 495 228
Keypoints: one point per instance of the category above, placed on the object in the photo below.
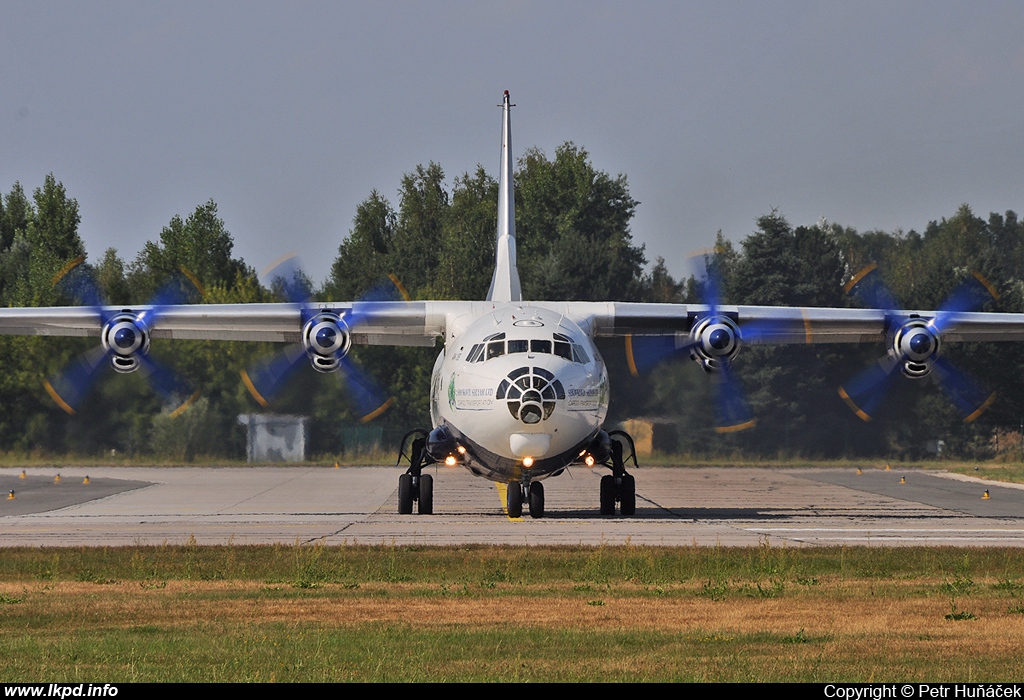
pixel 420 323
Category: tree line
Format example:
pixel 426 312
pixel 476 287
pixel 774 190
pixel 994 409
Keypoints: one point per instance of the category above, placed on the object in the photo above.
pixel 574 243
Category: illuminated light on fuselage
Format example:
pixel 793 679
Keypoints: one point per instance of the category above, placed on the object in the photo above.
pixel 527 462
pixel 589 461
pixel 449 461
pixel 461 450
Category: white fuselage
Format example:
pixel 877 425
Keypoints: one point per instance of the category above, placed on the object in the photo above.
pixel 524 391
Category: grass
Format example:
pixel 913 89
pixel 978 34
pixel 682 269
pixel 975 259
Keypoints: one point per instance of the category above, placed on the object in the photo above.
pixel 303 613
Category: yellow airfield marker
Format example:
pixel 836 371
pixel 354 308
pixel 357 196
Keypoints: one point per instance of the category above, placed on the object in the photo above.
pixel 10 496
pixel 56 479
pixel 859 471
pixel 903 479
pixel 337 466
pixel 887 467
pixel 984 496
pixel 86 479
pixel 23 475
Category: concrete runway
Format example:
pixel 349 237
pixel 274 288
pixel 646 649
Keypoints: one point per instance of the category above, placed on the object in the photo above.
pixel 359 505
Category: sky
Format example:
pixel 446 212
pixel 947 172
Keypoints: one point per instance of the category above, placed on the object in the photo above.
pixel 875 115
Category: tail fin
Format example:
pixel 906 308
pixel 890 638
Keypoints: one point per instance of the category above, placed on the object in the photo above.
pixel 505 283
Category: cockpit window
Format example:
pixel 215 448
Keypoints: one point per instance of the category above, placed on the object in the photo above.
pixel 496 346
pixel 495 349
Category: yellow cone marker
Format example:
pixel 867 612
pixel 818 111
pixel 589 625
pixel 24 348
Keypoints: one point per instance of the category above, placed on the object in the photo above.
pixel 887 467
pixel 859 471
pixel 10 496
pixel 337 466
pixel 984 496
pixel 56 479
pixel 85 480
pixel 23 475
pixel 903 479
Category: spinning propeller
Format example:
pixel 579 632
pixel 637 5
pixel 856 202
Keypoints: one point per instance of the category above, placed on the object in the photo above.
pixel 124 337
pixel 326 341
pixel 713 342
pixel 914 348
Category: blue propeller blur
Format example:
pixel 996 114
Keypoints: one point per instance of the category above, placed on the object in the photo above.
pixel 865 392
pixel 732 410
pixel 69 387
pixel 267 378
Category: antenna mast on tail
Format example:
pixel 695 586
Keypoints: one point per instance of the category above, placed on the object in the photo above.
pixel 505 283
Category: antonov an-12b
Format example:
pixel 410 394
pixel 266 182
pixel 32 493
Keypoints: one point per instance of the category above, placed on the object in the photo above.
pixel 519 391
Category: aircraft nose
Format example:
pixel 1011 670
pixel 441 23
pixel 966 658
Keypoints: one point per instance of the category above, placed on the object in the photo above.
pixel 529 444
pixel 530 393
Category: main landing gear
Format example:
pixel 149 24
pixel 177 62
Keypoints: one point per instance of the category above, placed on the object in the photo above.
pixel 414 485
pixel 532 494
pixel 619 486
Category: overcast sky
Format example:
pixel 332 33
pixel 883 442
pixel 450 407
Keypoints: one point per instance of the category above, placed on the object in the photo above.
pixel 877 115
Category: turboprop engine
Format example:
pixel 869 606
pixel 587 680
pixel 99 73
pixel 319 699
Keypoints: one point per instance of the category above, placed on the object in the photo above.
pixel 326 338
pixel 714 342
pixel 124 338
pixel 915 345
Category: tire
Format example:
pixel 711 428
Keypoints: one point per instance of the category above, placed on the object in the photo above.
pixel 536 500
pixel 627 496
pixel 426 502
pixel 515 500
pixel 405 494
pixel 608 495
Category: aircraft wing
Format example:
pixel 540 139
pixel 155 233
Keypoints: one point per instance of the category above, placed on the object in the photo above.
pixel 420 323
pixel 381 323
pixel 785 324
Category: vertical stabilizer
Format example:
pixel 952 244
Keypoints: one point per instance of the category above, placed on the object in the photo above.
pixel 505 283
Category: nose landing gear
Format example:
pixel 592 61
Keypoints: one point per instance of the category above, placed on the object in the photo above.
pixel 533 495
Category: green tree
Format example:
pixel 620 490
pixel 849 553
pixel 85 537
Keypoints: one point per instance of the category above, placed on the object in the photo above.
pixel 422 214
pixel 364 257
pixel 15 215
pixel 465 259
pixel 572 225
pixel 200 245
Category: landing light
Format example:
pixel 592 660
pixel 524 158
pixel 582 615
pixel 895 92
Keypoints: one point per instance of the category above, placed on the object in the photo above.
pixel 449 461
pixel 527 462
pixel 461 450
pixel 589 461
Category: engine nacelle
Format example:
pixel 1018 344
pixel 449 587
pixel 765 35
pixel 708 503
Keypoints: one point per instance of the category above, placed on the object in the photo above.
pixel 915 344
pixel 124 339
pixel 715 342
pixel 599 450
pixel 441 444
pixel 326 338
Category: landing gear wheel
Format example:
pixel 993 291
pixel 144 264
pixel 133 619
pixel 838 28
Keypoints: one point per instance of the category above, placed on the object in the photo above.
pixel 405 494
pixel 627 495
pixel 515 500
pixel 536 500
pixel 607 495
pixel 426 501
